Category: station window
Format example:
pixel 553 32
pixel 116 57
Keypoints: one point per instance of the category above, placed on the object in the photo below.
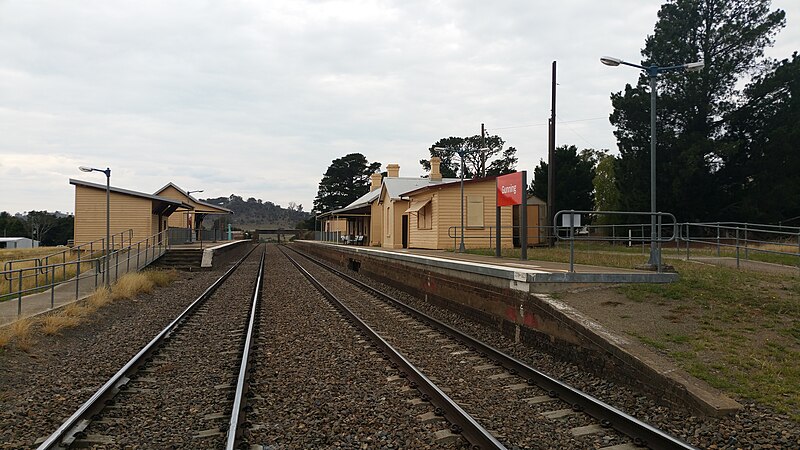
pixel 425 217
pixel 388 223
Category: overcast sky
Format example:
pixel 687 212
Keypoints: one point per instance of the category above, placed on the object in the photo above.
pixel 256 98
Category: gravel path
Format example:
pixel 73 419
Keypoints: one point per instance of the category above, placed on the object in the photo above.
pixel 754 426
pixel 41 388
pixel 320 384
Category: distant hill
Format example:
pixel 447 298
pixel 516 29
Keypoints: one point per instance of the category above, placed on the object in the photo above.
pixel 254 213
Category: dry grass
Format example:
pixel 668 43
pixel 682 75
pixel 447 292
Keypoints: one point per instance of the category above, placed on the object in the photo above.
pixel 5 337
pixel 51 325
pixel 21 333
pixel 10 254
pixel 100 297
pixel 77 310
pixel 161 277
pixel 130 285
pixel 33 279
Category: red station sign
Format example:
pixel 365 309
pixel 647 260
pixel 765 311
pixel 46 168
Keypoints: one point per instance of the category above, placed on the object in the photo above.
pixel 510 189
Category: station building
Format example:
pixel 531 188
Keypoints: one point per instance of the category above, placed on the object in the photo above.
pixel 145 214
pixel 425 213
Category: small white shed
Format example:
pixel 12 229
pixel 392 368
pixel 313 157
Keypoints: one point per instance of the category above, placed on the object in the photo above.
pixel 17 242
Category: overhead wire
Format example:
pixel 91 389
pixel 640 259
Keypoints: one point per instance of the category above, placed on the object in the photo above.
pixel 545 124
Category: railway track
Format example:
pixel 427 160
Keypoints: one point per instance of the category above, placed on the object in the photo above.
pixel 520 406
pixel 320 382
pixel 186 385
pixel 317 363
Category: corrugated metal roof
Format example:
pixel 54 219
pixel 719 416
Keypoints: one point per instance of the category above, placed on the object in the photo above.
pixel 126 192
pixel 396 187
pixel 200 202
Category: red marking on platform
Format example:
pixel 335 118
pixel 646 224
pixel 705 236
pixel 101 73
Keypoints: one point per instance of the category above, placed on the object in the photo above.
pixel 511 313
pixel 430 285
pixel 530 320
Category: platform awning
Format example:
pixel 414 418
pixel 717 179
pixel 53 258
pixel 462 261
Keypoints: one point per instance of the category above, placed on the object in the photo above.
pixel 416 206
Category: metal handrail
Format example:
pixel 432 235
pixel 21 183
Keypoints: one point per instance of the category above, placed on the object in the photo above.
pixel 739 235
pixel 658 238
pixel 9 265
pixel 152 248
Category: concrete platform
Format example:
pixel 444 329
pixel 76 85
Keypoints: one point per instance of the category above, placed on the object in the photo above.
pixel 531 275
pixel 513 296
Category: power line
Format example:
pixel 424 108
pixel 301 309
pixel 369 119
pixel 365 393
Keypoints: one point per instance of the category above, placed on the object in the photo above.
pixel 545 124
pixel 575 132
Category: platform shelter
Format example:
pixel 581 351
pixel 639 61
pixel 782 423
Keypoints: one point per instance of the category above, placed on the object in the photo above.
pixel 189 218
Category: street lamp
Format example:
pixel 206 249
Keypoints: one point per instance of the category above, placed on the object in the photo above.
pixel 652 71
pixel 107 172
pixel 461 152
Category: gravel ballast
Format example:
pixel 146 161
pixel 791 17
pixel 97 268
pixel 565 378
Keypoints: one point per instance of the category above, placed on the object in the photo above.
pixel 754 426
pixel 40 388
pixel 319 384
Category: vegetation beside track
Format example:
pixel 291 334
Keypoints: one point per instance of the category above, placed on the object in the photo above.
pixel 22 333
pixel 739 330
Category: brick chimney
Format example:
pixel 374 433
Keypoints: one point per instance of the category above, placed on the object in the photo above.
pixel 374 181
pixel 393 170
pixel 436 174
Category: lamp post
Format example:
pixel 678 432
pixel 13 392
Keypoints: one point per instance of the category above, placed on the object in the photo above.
pixel 461 152
pixel 107 172
pixel 654 263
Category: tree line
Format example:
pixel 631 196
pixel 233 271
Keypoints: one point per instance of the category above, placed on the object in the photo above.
pixel 48 228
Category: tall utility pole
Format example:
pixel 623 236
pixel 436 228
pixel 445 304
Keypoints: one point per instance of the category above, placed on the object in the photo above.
pixel 551 164
pixel 483 145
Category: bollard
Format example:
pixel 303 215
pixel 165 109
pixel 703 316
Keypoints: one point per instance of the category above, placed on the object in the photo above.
pixel 571 243
pixel 746 250
pixel 687 241
pixel 78 276
pixel 658 239
pixel 19 295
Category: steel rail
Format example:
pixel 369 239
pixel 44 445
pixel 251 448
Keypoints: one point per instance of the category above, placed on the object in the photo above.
pixel 642 433
pixel 461 421
pixel 65 435
pixel 242 384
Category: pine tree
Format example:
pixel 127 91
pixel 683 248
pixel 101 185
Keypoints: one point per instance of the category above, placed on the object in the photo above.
pixel 346 179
